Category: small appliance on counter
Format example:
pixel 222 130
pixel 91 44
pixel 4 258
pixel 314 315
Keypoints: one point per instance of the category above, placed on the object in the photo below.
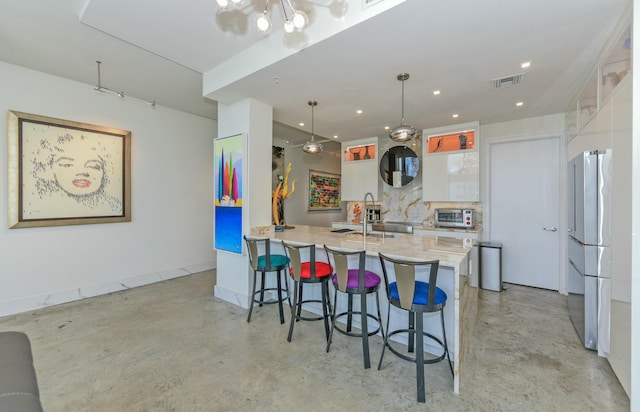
pixel 372 213
pixel 456 218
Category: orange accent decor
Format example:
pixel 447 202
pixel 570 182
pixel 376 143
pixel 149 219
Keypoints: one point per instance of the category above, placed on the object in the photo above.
pixel 451 142
pixel 356 153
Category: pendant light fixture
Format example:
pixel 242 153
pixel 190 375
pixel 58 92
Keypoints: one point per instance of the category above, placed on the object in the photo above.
pixel 403 133
pixel 312 146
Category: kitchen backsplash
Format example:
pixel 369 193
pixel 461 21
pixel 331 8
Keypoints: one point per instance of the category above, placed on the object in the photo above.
pixel 405 204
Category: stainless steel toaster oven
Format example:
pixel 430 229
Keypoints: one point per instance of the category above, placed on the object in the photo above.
pixel 460 218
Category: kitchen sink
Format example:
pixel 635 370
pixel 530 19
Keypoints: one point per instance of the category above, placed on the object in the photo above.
pixel 376 235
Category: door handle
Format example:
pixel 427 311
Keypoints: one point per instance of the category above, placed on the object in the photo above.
pixel 550 229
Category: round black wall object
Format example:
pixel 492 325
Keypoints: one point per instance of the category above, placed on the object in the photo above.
pixel 399 166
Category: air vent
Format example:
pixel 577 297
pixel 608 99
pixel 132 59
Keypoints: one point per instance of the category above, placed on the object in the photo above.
pixel 508 81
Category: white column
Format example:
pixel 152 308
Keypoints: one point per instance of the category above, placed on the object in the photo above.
pixel 256 120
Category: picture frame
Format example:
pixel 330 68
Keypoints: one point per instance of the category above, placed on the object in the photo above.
pixel 63 172
pixel 228 182
pixel 324 191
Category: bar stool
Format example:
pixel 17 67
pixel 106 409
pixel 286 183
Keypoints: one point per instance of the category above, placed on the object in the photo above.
pixel 360 282
pixel 304 273
pixel 417 298
pixel 267 262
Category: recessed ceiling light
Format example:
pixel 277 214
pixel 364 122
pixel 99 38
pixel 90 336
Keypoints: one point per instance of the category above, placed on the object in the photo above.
pixel 386 128
pixel 335 136
pixel 359 111
pixel 525 65
pixel 301 124
pixel 455 115
pixel 436 92
pixel 519 104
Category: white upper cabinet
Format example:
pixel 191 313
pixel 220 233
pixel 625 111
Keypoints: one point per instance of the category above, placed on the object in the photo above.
pixel 359 169
pixel 451 163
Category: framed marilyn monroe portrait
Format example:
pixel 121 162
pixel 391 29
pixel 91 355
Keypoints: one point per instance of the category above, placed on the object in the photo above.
pixel 63 172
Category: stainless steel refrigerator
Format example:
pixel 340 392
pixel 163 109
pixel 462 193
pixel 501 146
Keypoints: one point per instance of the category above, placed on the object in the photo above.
pixel 589 186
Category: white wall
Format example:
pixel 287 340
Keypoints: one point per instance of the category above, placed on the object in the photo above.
pixel 171 229
pixel 296 207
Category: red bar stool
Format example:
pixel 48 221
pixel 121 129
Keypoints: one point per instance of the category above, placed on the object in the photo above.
pixel 306 273
pixel 264 263
pixel 417 298
pixel 354 282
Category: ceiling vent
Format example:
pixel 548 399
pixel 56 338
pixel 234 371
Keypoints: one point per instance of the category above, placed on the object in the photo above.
pixel 507 81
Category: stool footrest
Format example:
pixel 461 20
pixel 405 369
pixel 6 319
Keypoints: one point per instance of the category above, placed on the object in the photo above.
pixel 285 296
pixel 300 317
pixel 411 358
pixel 369 315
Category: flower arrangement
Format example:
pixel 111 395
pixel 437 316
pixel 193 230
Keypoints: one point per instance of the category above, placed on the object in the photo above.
pixel 281 193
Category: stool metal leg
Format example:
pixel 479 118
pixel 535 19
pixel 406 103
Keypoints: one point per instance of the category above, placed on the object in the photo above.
pixel 333 319
pixel 294 318
pixel 379 314
pixel 420 356
pixel 280 298
pixel 325 309
pixel 262 289
pixel 411 327
pixel 446 347
pixel 253 296
pixel 350 312
pixel 386 337
pixel 365 331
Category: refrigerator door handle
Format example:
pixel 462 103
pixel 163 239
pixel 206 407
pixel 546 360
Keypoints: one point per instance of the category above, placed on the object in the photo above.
pixel 550 229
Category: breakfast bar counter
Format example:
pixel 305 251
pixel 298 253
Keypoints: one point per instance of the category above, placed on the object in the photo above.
pixel 457 261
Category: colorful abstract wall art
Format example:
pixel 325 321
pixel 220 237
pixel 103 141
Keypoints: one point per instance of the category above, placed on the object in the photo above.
pixel 228 161
pixel 324 191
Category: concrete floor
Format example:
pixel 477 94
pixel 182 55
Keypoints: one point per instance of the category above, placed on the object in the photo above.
pixel 172 346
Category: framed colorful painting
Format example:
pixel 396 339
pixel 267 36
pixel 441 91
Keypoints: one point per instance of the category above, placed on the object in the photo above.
pixel 228 181
pixel 63 172
pixel 324 191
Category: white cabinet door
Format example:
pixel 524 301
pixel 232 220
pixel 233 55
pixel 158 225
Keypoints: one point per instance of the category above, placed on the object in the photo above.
pixel 451 177
pixel 451 163
pixel 359 176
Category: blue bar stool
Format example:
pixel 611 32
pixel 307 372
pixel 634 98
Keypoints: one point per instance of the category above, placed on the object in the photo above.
pixel 354 282
pixel 306 273
pixel 264 263
pixel 417 298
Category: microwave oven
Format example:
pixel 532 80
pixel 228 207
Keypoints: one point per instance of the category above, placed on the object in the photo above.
pixel 460 218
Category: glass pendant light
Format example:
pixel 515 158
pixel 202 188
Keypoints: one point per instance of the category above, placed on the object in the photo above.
pixel 403 133
pixel 312 146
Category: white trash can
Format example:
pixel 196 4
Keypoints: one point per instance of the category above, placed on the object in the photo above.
pixel 490 263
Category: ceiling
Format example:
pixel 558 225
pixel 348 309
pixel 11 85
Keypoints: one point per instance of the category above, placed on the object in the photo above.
pixel 178 52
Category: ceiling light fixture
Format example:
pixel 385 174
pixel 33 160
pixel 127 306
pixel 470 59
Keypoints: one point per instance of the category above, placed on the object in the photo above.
pixel 298 21
pixel 402 133
pixel 101 89
pixel 312 146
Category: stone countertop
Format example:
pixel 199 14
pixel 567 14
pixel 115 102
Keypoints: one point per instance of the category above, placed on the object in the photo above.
pixel 448 229
pixel 420 226
pixel 451 252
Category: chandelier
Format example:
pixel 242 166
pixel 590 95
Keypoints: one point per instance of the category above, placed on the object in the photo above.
pixel 296 20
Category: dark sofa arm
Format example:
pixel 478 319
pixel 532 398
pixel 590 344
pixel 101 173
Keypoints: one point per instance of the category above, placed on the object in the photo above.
pixel 18 384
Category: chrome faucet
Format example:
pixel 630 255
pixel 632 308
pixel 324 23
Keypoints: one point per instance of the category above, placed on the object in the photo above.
pixel 366 215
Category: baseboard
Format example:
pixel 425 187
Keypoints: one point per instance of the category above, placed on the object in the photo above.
pixel 39 302
pixel 231 296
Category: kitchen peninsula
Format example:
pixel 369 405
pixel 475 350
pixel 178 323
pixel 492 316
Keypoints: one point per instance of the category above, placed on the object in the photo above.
pixel 456 266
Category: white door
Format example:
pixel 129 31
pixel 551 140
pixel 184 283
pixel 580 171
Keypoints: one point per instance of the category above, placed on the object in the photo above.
pixel 525 210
